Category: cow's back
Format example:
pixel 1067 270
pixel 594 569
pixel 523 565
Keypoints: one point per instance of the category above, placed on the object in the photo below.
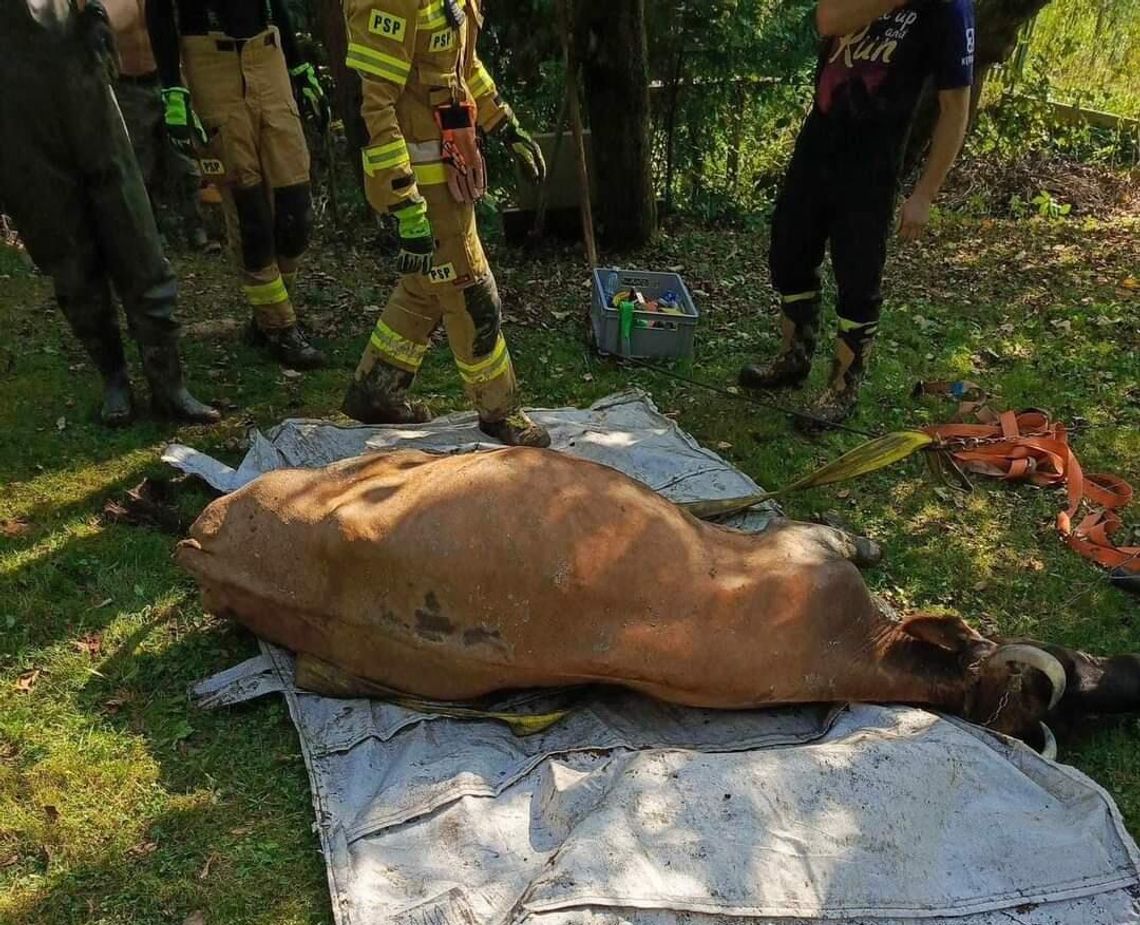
pixel 453 576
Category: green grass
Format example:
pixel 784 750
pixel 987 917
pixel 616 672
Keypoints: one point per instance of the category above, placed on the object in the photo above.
pixel 120 803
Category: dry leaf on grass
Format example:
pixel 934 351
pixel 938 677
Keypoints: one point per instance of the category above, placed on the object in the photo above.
pixel 15 527
pixel 197 917
pixel 205 871
pixel 26 681
pixel 91 644
pixel 142 849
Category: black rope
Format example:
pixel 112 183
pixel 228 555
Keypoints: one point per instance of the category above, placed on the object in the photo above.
pixel 750 398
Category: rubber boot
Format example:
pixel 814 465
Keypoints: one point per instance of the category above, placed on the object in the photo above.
pixel 378 394
pixel 792 364
pixel 118 404
pixel 836 402
pixel 106 351
pixel 516 429
pixel 168 394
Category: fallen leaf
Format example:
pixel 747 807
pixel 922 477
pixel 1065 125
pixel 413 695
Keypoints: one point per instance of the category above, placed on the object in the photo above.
pixel 197 917
pixel 241 830
pixel 843 493
pixel 113 705
pixel 205 871
pixel 9 860
pixel 1130 282
pixel 981 585
pixel 92 644
pixel 290 374
pixel 15 527
pixel 1035 565
pixel 61 423
pixel 722 445
pixel 588 377
pixel 26 681
pixel 52 813
pixel 142 849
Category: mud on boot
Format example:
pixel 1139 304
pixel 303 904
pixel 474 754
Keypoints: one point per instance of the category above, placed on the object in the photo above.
pixel 169 396
pixel 118 404
pixel 378 394
pixel 836 402
pixel 288 346
pixel 792 365
pixel 516 429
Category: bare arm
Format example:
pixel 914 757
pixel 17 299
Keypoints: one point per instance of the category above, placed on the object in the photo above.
pixel 838 17
pixel 953 115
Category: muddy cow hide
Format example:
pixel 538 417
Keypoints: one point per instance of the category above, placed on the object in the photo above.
pixel 451 577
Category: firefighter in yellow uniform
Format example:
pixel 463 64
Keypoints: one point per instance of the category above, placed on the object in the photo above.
pixel 427 102
pixel 237 114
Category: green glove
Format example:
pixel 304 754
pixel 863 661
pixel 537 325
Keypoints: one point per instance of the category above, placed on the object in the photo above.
pixel 525 149
pixel 311 95
pixel 417 246
pixel 182 123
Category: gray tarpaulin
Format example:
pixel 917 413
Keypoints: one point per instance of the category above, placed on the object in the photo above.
pixel 639 813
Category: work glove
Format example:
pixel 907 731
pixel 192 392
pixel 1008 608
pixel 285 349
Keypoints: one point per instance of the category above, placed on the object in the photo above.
pixel 182 123
pixel 417 246
pixel 462 156
pixel 98 37
pixel 310 95
pixel 526 152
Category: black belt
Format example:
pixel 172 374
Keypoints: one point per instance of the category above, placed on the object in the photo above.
pixel 239 44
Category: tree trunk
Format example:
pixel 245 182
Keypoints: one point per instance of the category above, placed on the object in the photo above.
pixel 998 22
pixel 611 44
pixel 347 94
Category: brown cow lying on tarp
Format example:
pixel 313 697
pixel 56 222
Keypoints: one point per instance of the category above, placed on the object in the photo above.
pixel 450 577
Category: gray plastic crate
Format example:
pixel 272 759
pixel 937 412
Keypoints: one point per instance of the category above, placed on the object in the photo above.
pixel 669 337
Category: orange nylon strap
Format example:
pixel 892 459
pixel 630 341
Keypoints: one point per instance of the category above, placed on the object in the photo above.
pixel 1028 446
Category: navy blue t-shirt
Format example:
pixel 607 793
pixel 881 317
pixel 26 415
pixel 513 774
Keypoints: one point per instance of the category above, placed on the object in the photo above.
pixel 874 76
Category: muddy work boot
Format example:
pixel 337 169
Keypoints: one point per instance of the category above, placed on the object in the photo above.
pixel 118 403
pixel 288 346
pixel 378 394
pixel 836 402
pixel 105 347
pixel 792 365
pixel 168 394
pixel 516 429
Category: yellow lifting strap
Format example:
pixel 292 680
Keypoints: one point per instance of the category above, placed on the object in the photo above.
pixel 316 675
pixel 866 458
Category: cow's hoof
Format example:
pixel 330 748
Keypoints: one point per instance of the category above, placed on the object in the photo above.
pixel 868 553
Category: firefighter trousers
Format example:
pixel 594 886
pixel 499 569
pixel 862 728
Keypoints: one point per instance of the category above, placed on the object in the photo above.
pixel 257 156
pixel 68 177
pixel 460 291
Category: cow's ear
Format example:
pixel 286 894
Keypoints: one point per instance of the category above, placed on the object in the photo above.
pixel 950 633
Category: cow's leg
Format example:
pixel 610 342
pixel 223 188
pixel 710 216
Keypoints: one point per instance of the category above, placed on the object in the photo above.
pixel 836 543
pixel 319 677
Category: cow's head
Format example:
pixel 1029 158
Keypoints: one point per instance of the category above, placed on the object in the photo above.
pixel 1010 686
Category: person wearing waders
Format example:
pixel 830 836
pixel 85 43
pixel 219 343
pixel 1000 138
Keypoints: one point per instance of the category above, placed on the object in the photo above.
pixel 237 114
pixel 427 101
pixel 171 178
pixel 841 185
pixel 68 178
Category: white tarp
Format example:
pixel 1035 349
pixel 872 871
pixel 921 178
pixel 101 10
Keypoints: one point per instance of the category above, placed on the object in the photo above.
pixel 631 811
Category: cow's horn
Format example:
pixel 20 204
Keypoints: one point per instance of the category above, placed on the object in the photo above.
pixel 1049 748
pixel 1048 665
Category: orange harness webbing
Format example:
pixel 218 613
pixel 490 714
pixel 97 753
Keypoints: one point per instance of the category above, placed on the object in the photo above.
pixel 1029 446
